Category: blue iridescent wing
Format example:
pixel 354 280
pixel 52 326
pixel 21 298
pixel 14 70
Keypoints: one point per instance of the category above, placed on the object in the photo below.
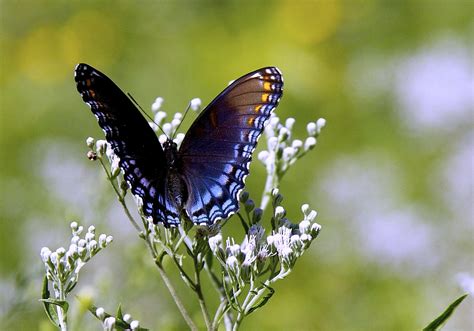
pixel 217 149
pixel 141 156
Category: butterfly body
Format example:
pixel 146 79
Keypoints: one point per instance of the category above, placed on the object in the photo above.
pixel 203 178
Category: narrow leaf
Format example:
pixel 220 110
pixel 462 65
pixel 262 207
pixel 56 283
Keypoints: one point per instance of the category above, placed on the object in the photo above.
pixel 441 319
pixel 49 308
pixel 264 299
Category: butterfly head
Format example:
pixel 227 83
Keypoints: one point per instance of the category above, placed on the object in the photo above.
pixel 171 152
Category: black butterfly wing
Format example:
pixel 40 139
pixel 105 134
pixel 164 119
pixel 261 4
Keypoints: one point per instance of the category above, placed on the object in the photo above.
pixel 217 149
pixel 141 156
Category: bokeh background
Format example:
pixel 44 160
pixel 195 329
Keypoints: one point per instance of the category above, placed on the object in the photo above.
pixel 391 176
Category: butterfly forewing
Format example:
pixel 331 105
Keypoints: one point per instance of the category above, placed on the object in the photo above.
pixel 132 139
pixel 217 149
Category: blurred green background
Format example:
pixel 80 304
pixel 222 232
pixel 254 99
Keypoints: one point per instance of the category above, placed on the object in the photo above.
pixel 391 176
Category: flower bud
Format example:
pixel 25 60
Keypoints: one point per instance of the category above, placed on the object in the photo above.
pixel 263 156
pixel 249 205
pixel 100 313
pixel 157 104
pixel 304 226
pixel 312 129
pixel 320 123
pixel 309 143
pixel 134 324
pixel 290 121
pixel 244 196
pixel 195 104
pixel 90 142
pixel 159 117
pixel 279 212
pixel 127 318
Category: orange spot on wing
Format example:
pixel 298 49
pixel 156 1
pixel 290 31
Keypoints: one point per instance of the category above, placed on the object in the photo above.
pixel 265 97
pixel 267 86
pixel 250 121
pixel 257 109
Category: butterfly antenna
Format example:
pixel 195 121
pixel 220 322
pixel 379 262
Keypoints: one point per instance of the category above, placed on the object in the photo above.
pixel 146 114
pixel 182 120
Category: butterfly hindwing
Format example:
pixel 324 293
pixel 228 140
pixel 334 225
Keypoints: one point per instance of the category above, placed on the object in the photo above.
pixel 217 149
pixel 141 156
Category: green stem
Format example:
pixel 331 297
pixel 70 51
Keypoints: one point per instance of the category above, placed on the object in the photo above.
pixel 175 296
pixel 198 290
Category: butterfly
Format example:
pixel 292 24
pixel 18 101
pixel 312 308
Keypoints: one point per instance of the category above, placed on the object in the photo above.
pixel 203 179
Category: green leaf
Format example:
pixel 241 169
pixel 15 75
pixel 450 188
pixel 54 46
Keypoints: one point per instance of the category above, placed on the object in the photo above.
pixel 119 311
pixel 49 308
pixel 441 319
pixel 264 299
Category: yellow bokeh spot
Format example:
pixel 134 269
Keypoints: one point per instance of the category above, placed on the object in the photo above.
pixel 48 53
pixel 310 21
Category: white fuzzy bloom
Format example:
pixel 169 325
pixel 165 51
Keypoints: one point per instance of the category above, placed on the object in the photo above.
pixel 288 153
pixel 109 239
pixel 305 208
pixel 101 146
pixel 232 262
pixel 127 318
pixel 312 129
pixel 290 121
pixel 195 104
pixel 263 156
pixel 74 226
pixel 274 121
pixel 279 212
pixel 89 236
pixel 134 324
pixel 297 144
pixel 178 116
pixel 102 239
pixel 109 323
pixel 61 252
pixel 92 245
pixel 272 143
pixel 157 104
pixel 175 123
pixel 159 117
pixel 72 250
pixel 215 242
pixel 167 129
pixel 315 227
pixel 45 254
pixel 306 237
pixel 81 243
pixel 75 240
pixel 233 250
pixel 309 143
pixel 284 133
pixel 90 142
pixel 320 123
pixel 100 313
pixel 312 215
pixel 54 257
pixel 304 226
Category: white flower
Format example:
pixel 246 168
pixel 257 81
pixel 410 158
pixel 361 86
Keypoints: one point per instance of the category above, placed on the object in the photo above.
pixel 159 117
pixel 157 104
pixel 100 313
pixel 127 318
pixel 215 242
pixel 109 323
pixel 290 121
pixel 288 153
pixel 232 263
pixel 304 226
pixel 45 254
pixel 167 129
pixel 297 144
pixel 90 142
pixel 109 239
pixel 175 123
pixel 272 143
pixel 101 146
pixel 134 324
pixel 74 226
pixel 312 129
pixel 263 156
pixel 195 104
pixel 320 123
pixel 279 212
pixel 309 143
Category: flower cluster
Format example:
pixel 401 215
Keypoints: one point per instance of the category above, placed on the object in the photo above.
pixel 282 150
pixel 63 267
pixel 258 255
pixel 119 322
pixel 169 128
